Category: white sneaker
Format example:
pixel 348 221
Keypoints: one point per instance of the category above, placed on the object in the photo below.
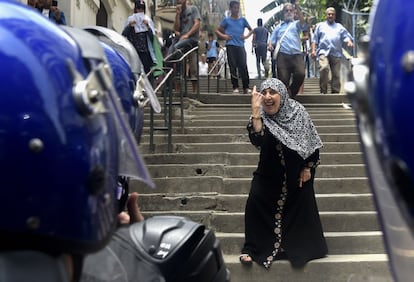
pixel 247 91
pixel 236 91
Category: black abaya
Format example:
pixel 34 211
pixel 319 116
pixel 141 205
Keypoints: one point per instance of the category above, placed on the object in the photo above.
pixel 281 218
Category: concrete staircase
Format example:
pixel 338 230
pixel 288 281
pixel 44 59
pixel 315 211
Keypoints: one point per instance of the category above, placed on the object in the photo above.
pixel 207 178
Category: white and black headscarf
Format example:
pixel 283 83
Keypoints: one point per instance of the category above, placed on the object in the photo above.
pixel 292 124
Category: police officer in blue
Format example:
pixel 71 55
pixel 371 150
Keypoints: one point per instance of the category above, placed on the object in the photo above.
pixel 381 89
pixel 161 248
pixel 65 139
pixel 61 130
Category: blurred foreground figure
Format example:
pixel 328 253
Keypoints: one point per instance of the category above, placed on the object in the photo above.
pixel 381 88
pixel 61 131
pixel 67 107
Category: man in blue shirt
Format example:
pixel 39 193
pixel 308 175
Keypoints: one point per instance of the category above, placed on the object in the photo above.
pixel 260 36
pixel 289 61
pixel 329 37
pixel 232 30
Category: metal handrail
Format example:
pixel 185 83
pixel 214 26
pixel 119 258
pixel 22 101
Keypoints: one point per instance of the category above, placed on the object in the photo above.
pixel 184 72
pixel 167 100
pixel 217 78
pixel 183 56
pixel 167 111
pixel 164 80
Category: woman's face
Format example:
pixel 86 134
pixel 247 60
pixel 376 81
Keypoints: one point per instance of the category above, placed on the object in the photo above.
pixel 271 101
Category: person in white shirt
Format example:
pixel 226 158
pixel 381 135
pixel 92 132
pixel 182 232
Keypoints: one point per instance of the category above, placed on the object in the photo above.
pixel 203 65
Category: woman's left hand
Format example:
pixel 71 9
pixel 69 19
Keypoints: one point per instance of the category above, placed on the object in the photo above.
pixel 304 176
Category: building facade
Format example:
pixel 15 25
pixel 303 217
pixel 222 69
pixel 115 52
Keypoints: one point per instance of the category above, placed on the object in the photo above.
pixel 108 13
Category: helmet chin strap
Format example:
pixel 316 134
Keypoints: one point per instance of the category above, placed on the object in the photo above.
pixel 77 263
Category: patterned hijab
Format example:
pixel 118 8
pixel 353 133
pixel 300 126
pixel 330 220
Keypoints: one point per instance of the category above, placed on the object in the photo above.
pixel 292 124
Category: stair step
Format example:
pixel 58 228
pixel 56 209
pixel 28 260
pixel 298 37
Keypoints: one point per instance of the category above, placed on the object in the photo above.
pixel 223 185
pixel 242 146
pixel 229 222
pixel 339 242
pixel 237 171
pixel 193 201
pixel 243 122
pixel 242 129
pixel 242 158
pixel 240 111
pixel 345 267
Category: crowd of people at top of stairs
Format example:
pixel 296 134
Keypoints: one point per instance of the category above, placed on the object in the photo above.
pixel 296 48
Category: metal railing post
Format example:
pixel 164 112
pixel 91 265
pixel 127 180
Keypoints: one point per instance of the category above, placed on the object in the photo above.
pixel 167 110
pixel 181 60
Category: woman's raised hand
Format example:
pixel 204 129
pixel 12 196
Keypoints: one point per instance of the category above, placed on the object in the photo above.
pixel 257 99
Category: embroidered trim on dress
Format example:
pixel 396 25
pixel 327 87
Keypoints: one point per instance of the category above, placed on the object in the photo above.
pixel 279 213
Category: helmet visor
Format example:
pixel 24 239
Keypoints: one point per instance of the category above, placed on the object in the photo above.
pixel 131 163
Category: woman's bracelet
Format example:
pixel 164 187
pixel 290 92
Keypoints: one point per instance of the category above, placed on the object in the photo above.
pixel 312 164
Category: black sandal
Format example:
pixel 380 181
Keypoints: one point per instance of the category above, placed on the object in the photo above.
pixel 245 259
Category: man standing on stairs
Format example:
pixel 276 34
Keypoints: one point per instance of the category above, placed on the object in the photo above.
pixel 232 30
pixel 327 47
pixel 260 36
pixel 288 51
pixel 281 215
pixel 187 28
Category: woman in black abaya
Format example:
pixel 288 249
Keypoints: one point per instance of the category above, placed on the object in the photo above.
pixel 281 216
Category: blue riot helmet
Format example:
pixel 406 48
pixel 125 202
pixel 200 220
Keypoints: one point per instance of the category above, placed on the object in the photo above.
pixel 142 87
pixel 63 137
pixel 124 83
pixel 120 44
pixel 381 89
pixel 127 50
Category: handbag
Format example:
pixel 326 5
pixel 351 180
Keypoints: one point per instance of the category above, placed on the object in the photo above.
pixel 279 42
